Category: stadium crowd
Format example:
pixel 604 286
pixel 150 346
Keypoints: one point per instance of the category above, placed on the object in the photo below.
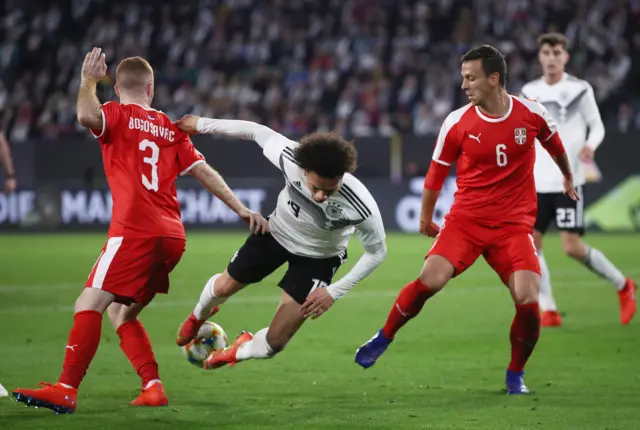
pixel 360 67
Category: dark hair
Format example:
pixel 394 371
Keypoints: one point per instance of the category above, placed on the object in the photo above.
pixel 553 39
pixel 492 61
pixel 326 154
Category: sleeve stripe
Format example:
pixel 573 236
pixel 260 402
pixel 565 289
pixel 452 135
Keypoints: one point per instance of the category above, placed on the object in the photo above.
pixel 442 162
pixel 195 163
pixel 550 136
pixel 357 203
pixel 288 151
pixel 352 203
pixel 288 157
pixel 104 126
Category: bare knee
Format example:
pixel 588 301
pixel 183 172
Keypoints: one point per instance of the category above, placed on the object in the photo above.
pixel 93 299
pixel 525 287
pixel 120 314
pixel 573 246
pixel 226 286
pixel 436 272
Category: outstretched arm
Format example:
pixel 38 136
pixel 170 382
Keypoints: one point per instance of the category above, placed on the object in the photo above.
pixel 215 183
pixel 271 142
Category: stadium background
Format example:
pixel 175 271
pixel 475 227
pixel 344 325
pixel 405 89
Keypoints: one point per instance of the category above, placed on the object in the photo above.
pixel 384 73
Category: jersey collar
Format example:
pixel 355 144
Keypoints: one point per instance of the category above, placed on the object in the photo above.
pixel 490 119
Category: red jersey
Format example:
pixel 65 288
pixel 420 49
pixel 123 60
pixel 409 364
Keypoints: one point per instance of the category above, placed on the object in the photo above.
pixel 494 161
pixel 143 153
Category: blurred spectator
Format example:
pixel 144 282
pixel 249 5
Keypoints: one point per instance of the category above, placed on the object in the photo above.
pixel 362 67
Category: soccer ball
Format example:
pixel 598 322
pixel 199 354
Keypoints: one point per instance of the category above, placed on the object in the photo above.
pixel 210 337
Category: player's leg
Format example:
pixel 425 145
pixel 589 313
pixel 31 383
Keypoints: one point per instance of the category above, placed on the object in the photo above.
pixel 268 341
pixel 258 257
pixel 165 254
pixel 513 256
pixel 571 225
pixel 303 276
pixel 136 345
pixel 452 252
pixel 545 216
pixel 83 340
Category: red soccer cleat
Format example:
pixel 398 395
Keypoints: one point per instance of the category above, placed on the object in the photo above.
pixel 152 396
pixel 58 398
pixel 226 355
pixel 627 298
pixel 189 328
pixel 550 319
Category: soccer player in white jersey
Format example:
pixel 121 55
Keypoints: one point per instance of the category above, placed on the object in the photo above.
pixel 318 210
pixel 572 103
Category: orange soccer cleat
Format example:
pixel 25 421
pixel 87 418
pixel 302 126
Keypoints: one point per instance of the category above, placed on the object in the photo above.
pixel 226 355
pixel 152 396
pixel 189 328
pixel 550 319
pixel 58 398
pixel 627 298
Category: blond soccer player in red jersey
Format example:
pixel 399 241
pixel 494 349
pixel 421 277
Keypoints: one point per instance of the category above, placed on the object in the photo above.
pixel 143 153
pixel 491 140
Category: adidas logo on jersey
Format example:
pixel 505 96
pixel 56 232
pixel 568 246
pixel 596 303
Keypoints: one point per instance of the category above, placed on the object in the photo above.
pixel 297 184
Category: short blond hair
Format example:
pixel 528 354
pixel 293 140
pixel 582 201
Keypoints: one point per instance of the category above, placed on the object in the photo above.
pixel 134 73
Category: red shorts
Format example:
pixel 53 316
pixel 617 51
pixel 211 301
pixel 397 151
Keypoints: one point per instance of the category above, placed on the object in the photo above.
pixel 506 249
pixel 135 269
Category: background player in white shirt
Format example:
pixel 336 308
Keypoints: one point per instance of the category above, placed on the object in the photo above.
pixel 572 103
pixel 320 207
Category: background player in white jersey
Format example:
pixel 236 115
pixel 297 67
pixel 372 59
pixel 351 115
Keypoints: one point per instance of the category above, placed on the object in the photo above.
pixel 320 207
pixel 572 103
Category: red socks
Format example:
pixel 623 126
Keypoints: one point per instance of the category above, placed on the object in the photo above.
pixel 135 343
pixel 525 331
pixel 408 304
pixel 82 345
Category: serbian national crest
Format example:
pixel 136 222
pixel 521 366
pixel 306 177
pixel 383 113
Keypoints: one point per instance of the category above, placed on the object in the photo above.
pixel 520 135
pixel 333 210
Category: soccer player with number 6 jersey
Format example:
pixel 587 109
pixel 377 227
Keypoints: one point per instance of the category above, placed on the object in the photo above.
pixel 492 142
pixel 143 154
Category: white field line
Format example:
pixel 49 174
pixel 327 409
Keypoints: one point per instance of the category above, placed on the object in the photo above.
pixel 273 298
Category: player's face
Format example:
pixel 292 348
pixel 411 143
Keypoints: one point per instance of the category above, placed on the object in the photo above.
pixel 552 59
pixel 475 83
pixel 321 188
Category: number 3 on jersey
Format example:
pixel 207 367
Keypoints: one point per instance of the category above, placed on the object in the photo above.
pixel 152 184
pixel 501 156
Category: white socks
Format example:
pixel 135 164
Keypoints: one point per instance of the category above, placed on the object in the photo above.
pixel 594 260
pixel 545 299
pixel 598 263
pixel 3 391
pixel 208 299
pixel 151 383
pixel 256 348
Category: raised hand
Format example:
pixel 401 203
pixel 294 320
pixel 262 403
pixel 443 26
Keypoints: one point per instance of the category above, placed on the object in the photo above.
pixel 94 66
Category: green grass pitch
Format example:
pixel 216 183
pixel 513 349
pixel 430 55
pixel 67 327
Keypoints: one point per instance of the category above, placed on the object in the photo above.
pixel 444 371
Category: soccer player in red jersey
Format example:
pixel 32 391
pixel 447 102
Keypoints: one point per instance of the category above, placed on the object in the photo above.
pixel 143 153
pixel 491 140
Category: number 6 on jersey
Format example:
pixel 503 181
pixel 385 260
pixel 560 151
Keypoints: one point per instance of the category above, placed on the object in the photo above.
pixel 501 156
pixel 153 161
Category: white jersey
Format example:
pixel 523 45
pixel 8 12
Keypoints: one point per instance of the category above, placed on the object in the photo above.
pixel 319 230
pixel 572 104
